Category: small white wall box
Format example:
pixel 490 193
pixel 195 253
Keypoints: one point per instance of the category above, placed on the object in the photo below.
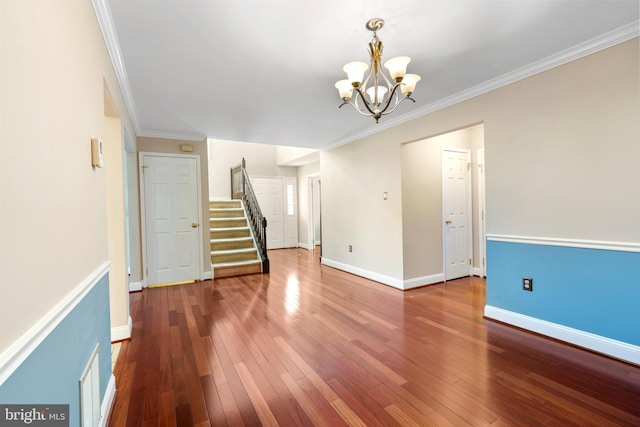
pixel 96 153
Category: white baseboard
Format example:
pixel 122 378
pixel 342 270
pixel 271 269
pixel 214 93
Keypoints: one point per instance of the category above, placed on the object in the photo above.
pixel 107 401
pixel 207 275
pixel 387 280
pixel 477 271
pixel 16 353
pixel 423 281
pixel 120 333
pixel 135 286
pixel 597 343
pixel 306 246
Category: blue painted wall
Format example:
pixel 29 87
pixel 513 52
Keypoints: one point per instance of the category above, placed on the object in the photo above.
pixel 51 373
pixel 592 290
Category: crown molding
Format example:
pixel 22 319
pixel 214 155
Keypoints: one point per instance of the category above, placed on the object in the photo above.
pixel 612 38
pixel 103 14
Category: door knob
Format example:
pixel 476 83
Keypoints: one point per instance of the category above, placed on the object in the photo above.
pixel 194 225
pixel 448 221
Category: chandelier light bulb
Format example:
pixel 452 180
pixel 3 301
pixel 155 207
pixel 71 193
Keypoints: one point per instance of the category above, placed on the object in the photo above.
pixel 355 72
pixel 372 94
pixel 397 67
pixel 345 88
pixel 409 83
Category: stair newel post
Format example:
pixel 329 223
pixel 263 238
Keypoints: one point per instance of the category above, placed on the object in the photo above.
pixel 243 166
pixel 265 262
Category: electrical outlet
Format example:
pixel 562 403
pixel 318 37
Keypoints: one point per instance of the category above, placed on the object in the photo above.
pixel 350 248
pixel 527 284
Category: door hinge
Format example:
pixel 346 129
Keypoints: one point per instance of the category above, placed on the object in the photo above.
pixel 482 214
pixel 469 261
pixel 143 167
pixel 147 271
pixel 468 166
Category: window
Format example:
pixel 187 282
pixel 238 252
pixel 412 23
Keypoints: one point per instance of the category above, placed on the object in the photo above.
pixel 290 199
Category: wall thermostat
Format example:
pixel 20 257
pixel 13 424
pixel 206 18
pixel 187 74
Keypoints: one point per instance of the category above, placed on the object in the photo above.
pixel 96 153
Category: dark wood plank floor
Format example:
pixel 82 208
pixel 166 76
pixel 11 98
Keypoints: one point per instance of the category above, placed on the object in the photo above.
pixel 310 345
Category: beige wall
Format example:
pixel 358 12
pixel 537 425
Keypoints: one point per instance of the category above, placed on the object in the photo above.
pixel 163 145
pixel 113 146
pixel 54 66
pixel 561 150
pixel 261 160
pixel 223 155
pixel 354 178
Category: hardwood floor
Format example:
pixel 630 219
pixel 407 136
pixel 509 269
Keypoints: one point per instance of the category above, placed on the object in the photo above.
pixel 311 345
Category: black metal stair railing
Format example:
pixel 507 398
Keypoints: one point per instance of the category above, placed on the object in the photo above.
pixel 241 189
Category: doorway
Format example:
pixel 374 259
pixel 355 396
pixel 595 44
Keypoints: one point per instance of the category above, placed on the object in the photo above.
pixel 171 214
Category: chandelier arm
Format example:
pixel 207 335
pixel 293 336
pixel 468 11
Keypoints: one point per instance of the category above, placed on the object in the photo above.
pixel 391 96
pixel 355 108
pixel 364 101
pixel 396 106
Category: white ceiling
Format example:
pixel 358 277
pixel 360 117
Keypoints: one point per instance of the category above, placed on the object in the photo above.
pixel 263 70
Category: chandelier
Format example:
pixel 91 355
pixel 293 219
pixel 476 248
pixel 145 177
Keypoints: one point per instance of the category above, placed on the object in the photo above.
pixel 382 91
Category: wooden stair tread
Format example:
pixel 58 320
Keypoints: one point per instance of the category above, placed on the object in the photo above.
pixel 236 263
pixel 234 251
pixel 232 239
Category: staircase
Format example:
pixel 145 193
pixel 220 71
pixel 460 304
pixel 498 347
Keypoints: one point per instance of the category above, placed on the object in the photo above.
pixel 233 250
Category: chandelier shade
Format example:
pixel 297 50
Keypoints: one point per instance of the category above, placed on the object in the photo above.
pixel 382 91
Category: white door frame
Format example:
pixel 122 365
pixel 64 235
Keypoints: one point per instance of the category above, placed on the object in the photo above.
pixel 143 213
pixel 482 215
pixel 311 218
pixel 469 210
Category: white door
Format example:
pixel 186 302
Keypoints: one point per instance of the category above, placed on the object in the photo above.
pixel 171 203
pixel 456 206
pixel 269 194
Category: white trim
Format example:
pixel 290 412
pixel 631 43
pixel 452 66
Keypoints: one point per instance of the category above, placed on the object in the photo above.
pixel 612 38
pixel 307 246
pixel 482 213
pixel 16 353
pixel 120 333
pixel 107 401
pixel 135 286
pixel 103 14
pixel 207 275
pixel 423 281
pixel 386 280
pixel 597 343
pixel 477 271
pixel 570 243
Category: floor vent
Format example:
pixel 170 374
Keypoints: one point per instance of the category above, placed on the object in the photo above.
pixel 90 391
